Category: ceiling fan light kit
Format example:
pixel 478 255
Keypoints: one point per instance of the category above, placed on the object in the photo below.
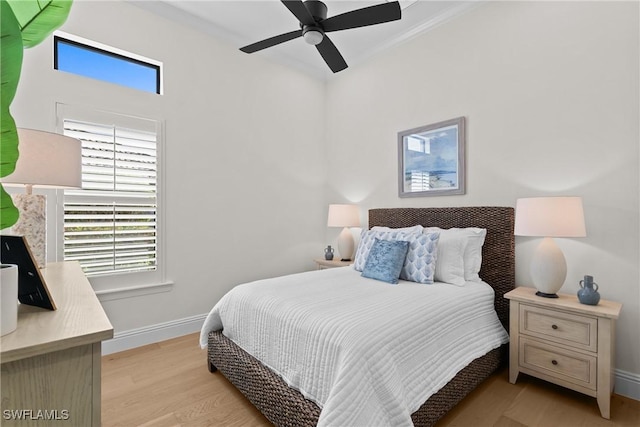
pixel 312 35
pixel 312 15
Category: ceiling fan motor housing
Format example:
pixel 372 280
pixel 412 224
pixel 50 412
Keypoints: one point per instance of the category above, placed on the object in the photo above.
pixel 313 34
pixel 317 9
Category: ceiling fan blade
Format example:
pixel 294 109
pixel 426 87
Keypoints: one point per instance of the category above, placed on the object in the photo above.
pixel 371 15
pixel 331 56
pixel 300 11
pixel 271 41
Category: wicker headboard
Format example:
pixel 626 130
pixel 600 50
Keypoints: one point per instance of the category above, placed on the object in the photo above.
pixel 498 252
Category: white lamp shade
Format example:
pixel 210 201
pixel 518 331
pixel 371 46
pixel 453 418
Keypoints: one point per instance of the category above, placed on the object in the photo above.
pixel 47 160
pixel 343 216
pixel 550 217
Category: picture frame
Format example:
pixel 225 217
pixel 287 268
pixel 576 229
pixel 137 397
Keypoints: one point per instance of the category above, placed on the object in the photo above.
pixel 32 289
pixel 431 159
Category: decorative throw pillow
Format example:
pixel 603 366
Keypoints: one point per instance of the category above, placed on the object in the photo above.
pixel 367 239
pixel 420 263
pixel 450 259
pixel 385 260
pixel 473 251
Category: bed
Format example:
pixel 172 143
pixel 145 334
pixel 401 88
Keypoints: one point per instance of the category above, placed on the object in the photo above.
pixel 286 406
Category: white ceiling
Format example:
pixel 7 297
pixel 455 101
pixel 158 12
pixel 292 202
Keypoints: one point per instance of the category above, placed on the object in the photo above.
pixel 242 22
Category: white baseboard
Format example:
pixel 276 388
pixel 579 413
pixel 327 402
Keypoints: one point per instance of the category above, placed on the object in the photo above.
pixel 627 383
pixel 152 334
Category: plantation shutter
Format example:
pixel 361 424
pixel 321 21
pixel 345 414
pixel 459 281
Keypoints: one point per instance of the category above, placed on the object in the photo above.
pixel 110 225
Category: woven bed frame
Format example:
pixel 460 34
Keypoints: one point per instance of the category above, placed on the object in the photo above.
pixel 284 406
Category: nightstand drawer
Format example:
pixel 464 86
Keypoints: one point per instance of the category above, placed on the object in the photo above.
pixel 565 328
pixel 573 367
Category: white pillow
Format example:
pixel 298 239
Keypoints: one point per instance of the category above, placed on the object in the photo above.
pixel 450 259
pixel 412 229
pixel 368 238
pixel 472 257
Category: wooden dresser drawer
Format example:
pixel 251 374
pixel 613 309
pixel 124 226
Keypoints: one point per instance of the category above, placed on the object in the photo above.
pixel 565 328
pixel 565 365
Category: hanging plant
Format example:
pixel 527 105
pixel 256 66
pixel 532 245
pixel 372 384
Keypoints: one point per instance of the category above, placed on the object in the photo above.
pixel 23 24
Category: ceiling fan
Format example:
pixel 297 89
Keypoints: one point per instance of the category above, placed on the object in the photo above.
pixel 314 23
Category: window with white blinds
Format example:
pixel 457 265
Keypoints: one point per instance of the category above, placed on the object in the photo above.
pixel 110 225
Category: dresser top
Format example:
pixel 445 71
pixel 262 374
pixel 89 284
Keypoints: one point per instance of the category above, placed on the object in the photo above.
pixel 605 308
pixel 78 320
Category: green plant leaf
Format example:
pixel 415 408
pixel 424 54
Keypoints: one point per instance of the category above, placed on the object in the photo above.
pixel 23 24
pixel 8 211
pixel 11 52
pixel 38 18
pixel 8 144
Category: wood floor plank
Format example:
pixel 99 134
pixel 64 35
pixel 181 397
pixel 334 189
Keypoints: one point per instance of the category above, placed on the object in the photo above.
pixel 167 384
pixel 486 404
pixel 504 421
pixel 167 420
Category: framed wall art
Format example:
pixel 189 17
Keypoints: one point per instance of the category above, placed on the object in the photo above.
pixel 431 159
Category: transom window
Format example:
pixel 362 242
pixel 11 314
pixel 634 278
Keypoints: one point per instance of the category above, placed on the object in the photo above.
pixel 90 59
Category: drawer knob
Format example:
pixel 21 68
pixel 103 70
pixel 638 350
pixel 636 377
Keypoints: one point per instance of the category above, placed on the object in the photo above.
pixel 554 362
pixel 554 326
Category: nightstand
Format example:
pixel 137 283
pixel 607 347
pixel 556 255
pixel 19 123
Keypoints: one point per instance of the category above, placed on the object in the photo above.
pixel 324 263
pixel 564 342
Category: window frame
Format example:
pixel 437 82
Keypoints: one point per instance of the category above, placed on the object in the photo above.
pixel 116 281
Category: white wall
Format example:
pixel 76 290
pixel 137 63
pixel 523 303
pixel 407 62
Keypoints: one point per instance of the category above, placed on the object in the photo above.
pixel 244 187
pixel 550 93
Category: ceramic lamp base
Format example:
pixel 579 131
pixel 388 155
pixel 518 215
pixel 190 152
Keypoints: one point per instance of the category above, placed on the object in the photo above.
pixel 346 245
pixel 32 224
pixel 548 268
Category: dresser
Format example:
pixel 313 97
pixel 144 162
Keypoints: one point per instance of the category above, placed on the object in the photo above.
pixel 50 365
pixel 564 342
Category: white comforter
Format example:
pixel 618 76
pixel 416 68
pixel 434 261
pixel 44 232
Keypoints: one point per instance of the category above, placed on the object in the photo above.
pixel 367 352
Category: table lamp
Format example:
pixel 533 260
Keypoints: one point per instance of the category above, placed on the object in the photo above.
pixel 344 216
pixel 549 217
pixel 47 160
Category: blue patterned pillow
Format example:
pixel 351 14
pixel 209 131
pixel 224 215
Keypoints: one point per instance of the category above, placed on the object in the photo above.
pixel 367 238
pixel 420 263
pixel 385 260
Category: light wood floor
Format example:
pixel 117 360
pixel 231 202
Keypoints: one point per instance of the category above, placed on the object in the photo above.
pixel 167 384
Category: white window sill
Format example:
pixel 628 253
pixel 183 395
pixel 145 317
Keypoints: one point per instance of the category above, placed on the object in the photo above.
pixel 133 291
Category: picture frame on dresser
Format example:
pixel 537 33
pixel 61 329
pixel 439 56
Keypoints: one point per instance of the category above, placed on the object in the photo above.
pixel 32 287
pixel 431 159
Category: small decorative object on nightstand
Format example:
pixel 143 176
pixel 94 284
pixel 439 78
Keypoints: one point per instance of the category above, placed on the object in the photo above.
pixel 587 293
pixel 328 253
pixel 564 342
pixel 323 264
